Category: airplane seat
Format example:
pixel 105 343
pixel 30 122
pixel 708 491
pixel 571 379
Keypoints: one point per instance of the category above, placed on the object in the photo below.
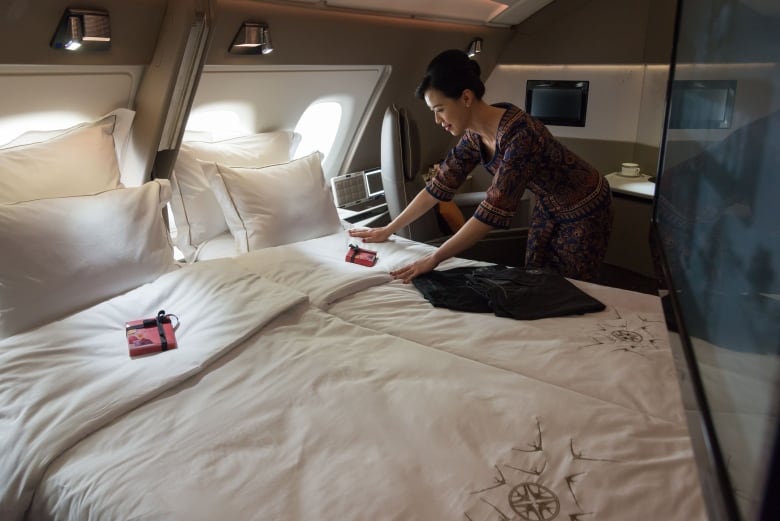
pixel 401 180
pixel 399 163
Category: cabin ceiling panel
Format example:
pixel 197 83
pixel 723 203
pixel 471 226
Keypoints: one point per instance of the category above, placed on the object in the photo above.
pixel 487 12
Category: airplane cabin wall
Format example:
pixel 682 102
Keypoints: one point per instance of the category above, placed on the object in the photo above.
pixel 623 47
pixel 257 98
pixel 138 72
pixel 307 37
pixel 150 36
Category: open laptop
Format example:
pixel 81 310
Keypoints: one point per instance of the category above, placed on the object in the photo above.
pixel 358 191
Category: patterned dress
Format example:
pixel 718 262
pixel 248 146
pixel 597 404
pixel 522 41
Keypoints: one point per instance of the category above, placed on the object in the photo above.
pixel 572 216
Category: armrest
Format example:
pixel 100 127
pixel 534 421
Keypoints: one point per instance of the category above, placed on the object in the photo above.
pixel 469 198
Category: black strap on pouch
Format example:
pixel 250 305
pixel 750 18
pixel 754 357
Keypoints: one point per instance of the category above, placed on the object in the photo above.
pixel 158 322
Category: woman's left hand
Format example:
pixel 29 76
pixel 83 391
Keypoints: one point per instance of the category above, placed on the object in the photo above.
pixel 418 267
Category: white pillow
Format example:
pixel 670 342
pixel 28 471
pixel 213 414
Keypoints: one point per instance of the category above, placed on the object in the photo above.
pixel 223 245
pixel 80 161
pixel 254 150
pixel 196 212
pixel 65 254
pixel 208 136
pixel 277 204
pixel 197 135
pixel 123 122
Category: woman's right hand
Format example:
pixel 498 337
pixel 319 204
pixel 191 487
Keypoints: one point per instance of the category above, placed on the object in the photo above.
pixel 371 234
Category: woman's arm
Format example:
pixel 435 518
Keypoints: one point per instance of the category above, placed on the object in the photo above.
pixel 421 203
pixel 467 236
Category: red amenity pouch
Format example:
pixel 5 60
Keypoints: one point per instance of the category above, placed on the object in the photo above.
pixel 152 335
pixel 361 256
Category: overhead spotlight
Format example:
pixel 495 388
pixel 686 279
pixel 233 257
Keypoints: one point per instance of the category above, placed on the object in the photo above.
pixel 475 47
pixel 82 28
pixel 252 38
pixel 265 37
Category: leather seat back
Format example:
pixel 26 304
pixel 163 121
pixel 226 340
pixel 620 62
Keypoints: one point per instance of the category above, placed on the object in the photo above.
pixel 400 172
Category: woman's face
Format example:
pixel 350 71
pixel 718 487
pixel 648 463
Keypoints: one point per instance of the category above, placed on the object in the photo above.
pixel 451 114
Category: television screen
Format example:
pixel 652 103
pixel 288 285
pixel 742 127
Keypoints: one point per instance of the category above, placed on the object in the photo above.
pixel 557 102
pixel 374 182
pixel 702 104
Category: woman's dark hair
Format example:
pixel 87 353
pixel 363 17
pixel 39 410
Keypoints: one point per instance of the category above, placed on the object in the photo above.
pixel 452 72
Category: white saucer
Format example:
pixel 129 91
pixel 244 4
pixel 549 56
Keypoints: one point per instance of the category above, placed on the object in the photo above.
pixel 639 176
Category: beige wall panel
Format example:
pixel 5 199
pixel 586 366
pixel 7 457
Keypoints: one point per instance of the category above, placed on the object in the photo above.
pixel 42 98
pixel 27 26
pixel 614 96
pixel 270 98
pixel 594 32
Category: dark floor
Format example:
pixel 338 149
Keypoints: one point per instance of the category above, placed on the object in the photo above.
pixel 622 278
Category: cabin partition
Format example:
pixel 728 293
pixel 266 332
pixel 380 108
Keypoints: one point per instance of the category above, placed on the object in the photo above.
pixel 715 228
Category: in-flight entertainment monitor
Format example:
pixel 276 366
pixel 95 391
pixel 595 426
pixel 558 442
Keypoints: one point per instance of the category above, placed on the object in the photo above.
pixel 557 102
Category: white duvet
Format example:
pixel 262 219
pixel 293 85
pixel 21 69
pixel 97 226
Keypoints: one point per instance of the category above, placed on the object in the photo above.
pixel 620 355
pixel 63 381
pixel 343 408
pixel 318 267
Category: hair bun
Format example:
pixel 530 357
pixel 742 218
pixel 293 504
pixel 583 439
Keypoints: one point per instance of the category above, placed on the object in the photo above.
pixel 451 72
pixel 474 67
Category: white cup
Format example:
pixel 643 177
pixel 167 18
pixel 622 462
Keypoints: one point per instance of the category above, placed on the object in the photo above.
pixel 629 169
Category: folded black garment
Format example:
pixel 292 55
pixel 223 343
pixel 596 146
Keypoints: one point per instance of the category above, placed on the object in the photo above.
pixel 450 289
pixel 519 293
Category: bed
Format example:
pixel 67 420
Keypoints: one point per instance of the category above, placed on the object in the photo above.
pixel 306 387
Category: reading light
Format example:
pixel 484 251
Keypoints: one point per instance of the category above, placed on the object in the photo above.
pixel 87 28
pixel 475 47
pixel 252 38
pixel 265 37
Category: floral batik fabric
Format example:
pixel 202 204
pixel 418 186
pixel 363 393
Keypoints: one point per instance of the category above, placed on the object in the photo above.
pixel 572 216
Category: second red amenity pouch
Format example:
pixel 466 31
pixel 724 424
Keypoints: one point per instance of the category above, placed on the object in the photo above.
pixel 358 255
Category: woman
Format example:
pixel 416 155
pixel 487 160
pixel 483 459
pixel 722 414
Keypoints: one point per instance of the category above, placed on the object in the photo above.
pixel 572 216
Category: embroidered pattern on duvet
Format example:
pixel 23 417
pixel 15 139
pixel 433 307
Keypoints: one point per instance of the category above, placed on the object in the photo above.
pixel 522 491
pixel 633 333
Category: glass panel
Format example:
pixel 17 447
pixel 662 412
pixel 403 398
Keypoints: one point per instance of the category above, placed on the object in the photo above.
pixel 717 220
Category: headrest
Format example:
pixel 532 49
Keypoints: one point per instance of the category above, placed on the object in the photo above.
pixel 399 156
pixel 400 130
